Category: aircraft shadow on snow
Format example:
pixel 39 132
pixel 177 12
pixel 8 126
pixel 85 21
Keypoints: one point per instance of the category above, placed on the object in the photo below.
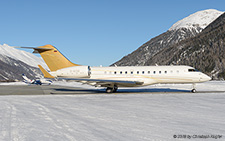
pixel 100 91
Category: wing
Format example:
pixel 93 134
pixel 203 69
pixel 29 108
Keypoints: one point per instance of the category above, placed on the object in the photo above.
pixel 105 83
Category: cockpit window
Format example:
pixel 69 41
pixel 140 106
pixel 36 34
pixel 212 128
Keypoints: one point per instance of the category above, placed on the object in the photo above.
pixel 192 70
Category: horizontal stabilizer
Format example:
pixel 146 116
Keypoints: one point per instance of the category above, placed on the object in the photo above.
pixel 36 49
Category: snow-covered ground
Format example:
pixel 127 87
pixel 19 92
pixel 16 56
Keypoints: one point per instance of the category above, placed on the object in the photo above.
pixel 201 87
pixel 210 86
pixel 114 117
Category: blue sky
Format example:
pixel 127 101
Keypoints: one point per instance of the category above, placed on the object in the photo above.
pixel 93 32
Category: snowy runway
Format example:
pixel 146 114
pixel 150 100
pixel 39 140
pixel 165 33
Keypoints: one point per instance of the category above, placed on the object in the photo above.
pixel 113 117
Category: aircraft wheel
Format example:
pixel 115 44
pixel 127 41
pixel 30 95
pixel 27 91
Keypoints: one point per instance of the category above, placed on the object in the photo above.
pixel 193 90
pixel 109 90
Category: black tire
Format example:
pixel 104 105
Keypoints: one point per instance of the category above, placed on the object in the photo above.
pixel 109 90
pixel 193 90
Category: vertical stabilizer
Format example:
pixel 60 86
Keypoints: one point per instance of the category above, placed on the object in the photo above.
pixel 53 58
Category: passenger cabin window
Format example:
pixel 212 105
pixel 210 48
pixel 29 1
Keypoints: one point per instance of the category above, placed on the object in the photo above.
pixel 143 72
pixel 137 72
pixel 131 72
pixel 148 72
pixel 154 72
pixel 165 72
pixel 115 72
pixel 125 72
pixel 159 72
pixel 121 72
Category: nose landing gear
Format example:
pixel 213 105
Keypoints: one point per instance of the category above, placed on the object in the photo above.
pixel 193 88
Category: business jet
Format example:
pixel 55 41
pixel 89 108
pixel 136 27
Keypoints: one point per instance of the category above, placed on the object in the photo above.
pixel 41 81
pixel 114 77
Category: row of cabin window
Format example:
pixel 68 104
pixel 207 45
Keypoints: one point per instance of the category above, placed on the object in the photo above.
pixel 141 72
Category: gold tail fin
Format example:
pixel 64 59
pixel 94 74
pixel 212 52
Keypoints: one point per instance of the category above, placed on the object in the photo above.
pixel 53 58
pixel 45 73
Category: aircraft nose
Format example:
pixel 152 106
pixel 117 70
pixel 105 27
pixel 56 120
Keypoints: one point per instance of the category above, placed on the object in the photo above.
pixel 208 78
pixel 205 77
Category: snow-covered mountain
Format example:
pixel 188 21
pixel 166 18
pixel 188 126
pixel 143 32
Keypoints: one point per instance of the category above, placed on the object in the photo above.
pixel 199 19
pixel 205 51
pixel 12 70
pixel 183 29
pixel 26 57
pixel 14 62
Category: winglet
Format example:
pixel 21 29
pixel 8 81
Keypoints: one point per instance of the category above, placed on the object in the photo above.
pixel 46 74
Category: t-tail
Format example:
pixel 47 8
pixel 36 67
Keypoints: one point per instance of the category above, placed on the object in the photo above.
pixel 53 58
pixel 26 79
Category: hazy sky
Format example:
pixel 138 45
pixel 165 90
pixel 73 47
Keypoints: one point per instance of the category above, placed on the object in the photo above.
pixel 93 32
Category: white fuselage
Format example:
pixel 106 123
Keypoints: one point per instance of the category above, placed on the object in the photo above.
pixel 146 74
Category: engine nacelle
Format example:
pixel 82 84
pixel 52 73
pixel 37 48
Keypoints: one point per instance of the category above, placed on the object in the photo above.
pixel 74 72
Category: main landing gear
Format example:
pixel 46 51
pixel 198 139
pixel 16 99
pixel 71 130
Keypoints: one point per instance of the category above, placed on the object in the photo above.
pixel 111 89
pixel 193 88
